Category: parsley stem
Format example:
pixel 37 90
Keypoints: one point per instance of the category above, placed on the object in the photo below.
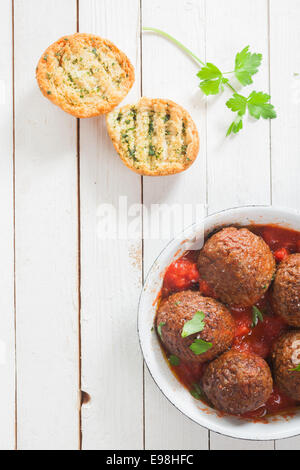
pixel 179 44
pixel 231 87
pixel 185 49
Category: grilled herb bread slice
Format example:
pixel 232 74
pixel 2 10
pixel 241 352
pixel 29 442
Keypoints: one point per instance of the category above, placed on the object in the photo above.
pixel 84 74
pixel 154 137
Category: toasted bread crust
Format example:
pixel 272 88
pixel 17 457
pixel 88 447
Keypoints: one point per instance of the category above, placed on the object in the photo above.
pixel 155 137
pixel 84 74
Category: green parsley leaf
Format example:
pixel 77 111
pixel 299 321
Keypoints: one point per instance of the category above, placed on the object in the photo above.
pixel 258 106
pixel 160 327
pixel 213 87
pixel 174 360
pixel 199 346
pixel 212 79
pixel 246 65
pixel 256 316
pixel 197 392
pixel 238 103
pixel 297 369
pixel 209 72
pixel 195 325
pixel 212 82
pixel 236 126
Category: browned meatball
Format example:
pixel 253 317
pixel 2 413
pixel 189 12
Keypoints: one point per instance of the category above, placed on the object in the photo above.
pixel 238 265
pixel 237 382
pixel 179 308
pixel 286 356
pixel 286 290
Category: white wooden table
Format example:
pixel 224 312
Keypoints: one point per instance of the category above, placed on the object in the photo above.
pixel 68 300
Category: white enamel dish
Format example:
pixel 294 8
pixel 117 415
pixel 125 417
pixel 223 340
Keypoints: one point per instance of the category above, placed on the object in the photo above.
pixel 179 396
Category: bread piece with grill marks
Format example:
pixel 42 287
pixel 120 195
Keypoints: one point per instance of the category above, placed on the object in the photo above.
pixel 84 74
pixel 154 137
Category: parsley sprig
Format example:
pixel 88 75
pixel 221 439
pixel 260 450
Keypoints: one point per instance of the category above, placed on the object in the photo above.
pixel 257 316
pixel 174 360
pixel 195 325
pixel 197 392
pixel 160 327
pixel 213 81
pixel 199 346
pixel 296 369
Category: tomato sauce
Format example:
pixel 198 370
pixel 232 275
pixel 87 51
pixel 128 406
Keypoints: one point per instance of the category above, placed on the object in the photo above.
pixel 258 339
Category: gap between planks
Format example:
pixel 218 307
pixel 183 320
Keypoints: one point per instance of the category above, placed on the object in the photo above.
pixel 79 264
pixel 14 214
pixel 142 212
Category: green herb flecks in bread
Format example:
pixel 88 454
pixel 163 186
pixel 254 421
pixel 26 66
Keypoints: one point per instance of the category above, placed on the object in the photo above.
pixel 84 74
pixel 154 137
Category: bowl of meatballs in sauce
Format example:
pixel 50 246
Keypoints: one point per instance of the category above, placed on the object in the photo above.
pixel 219 322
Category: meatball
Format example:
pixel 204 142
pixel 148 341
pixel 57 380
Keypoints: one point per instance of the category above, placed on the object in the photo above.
pixel 237 382
pixel 181 307
pixel 286 290
pixel 238 265
pixel 285 357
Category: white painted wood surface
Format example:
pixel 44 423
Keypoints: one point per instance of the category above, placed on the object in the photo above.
pixel 7 335
pixel 112 368
pixel 285 138
pixel 166 427
pixel 46 240
pixel 238 168
pixel 77 293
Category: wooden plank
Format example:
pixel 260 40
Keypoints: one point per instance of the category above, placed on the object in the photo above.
pixel 293 443
pixel 7 342
pixel 285 139
pixel 238 167
pixel 112 368
pixel 168 73
pixel 46 240
pixel 219 442
pixel 285 88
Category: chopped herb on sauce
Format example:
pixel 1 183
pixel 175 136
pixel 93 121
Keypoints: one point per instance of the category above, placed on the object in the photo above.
pixel 197 392
pixel 199 346
pixel 174 360
pixel 256 316
pixel 195 325
pixel 160 327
